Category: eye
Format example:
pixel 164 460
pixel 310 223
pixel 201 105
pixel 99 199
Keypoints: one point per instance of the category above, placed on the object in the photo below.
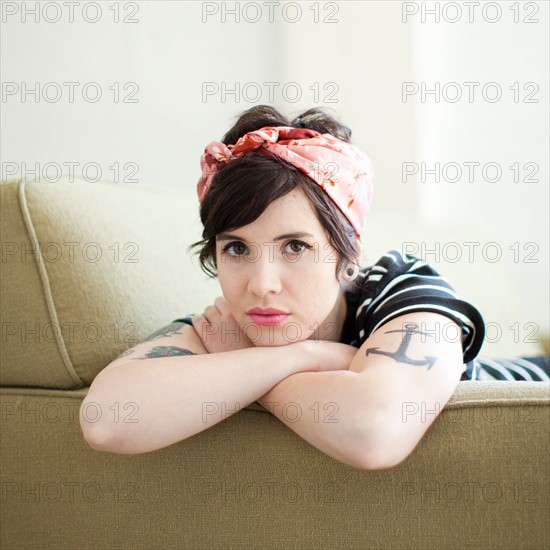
pixel 230 246
pixel 299 246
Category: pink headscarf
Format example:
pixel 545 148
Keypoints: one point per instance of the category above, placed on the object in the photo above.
pixel 342 170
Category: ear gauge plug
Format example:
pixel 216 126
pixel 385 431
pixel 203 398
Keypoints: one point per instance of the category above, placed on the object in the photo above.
pixel 351 271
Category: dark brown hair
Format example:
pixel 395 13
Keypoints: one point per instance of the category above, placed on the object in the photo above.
pixel 244 188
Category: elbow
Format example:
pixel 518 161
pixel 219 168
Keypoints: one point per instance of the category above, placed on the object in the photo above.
pixel 380 448
pixel 369 458
pixel 112 437
pixel 97 440
pixel 109 443
pixel 106 442
pixel 98 436
pixel 379 460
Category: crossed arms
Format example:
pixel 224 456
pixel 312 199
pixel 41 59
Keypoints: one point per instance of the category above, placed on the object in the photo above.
pixel 374 414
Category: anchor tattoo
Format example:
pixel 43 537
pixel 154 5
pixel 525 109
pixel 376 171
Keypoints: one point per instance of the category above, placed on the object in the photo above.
pixel 400 354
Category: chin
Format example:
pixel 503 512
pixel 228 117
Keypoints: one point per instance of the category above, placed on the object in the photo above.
pixel 274 335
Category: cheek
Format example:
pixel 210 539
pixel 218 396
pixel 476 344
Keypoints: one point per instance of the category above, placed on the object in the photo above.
pixel 232 284
pixel 322 279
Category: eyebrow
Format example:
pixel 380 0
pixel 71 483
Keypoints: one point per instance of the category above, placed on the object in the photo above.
pixel 298 234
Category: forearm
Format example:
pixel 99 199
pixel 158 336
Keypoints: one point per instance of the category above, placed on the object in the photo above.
pixel 163 400
pixel 327 409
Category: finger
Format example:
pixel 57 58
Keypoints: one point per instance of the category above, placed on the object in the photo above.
pixel 221 304
pixel 213 317
pixel 197 321
pixel 200 320
pixel 210 313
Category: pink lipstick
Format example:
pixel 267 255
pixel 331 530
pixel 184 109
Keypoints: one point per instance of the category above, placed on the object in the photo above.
pixel 267 317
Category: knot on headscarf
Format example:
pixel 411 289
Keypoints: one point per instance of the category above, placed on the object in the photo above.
pixel 342 170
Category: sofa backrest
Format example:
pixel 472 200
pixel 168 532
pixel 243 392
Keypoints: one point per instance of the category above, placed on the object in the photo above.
pixel 88 270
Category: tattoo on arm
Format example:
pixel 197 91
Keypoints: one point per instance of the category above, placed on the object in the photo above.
pixel 400 355
pixel 161 351
pixel 166 351
pixel 169 330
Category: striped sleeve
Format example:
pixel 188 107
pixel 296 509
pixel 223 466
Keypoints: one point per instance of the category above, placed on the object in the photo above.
pixel 401 283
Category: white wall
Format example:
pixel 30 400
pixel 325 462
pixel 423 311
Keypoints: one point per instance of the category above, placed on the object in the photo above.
pixel 364 57
pixel 502 132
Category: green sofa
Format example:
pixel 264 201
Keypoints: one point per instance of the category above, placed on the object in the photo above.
pixel 479 479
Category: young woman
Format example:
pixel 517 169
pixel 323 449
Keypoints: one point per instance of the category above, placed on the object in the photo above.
pixel 365 352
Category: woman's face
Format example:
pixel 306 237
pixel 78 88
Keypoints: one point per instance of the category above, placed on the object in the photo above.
pixel 282 260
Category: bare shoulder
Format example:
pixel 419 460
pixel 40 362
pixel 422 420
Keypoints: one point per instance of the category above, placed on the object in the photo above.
pixel 171 340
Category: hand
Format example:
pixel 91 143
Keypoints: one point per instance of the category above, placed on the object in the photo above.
pixel 324 355
pixel 219 330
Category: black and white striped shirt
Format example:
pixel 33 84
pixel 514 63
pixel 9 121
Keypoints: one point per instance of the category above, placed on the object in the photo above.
pixel 398 284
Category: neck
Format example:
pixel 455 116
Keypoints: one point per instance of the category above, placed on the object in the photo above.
pixel 342 318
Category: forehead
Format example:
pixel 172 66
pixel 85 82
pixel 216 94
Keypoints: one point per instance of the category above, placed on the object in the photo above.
pixel 284 236
pixel 290 216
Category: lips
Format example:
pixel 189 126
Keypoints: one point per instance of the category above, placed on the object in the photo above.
pixel 268 320
pixel 267 317
pixel 268 311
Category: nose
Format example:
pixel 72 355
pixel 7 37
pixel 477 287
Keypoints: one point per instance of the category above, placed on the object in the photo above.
pixel 264 277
